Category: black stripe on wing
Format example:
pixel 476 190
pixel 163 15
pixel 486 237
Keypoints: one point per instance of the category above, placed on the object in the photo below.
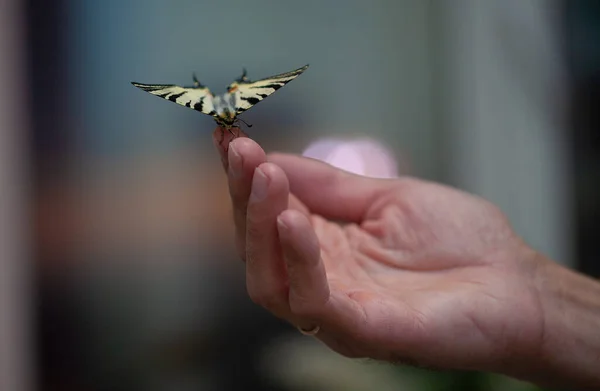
pixel 252 92
pixel 197 98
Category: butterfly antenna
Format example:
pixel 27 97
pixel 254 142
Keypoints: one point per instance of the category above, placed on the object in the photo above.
pixel 246 123
pixel 196 82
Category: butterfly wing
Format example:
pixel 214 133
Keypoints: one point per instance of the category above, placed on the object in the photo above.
pixel 197 97
pixel 249 93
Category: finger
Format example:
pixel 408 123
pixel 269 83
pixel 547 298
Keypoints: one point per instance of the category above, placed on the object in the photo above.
pixel 244 156
pixel 308 286
pixel 266 275
pixel 312 300
pixel 221 140
pixel 341 195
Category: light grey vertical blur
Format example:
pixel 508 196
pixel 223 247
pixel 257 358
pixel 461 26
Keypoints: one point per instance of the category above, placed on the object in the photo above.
pixel 16 372
pixel 504 103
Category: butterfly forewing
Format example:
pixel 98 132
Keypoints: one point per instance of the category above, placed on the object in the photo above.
pixel 197 98
pixel 241 95
pixel 249 93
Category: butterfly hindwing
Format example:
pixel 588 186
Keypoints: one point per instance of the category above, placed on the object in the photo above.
pixel 249 93
pixel 198 98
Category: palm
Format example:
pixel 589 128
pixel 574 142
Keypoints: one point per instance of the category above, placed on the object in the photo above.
pixel 412 256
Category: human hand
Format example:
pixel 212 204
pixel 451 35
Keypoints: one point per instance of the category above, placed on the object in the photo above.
pixel 419 272
pixel 406 270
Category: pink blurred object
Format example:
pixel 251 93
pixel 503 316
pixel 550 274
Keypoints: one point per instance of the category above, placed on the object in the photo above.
pixel 360 156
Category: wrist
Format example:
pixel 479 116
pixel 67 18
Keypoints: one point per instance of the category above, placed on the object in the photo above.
pixel 570 347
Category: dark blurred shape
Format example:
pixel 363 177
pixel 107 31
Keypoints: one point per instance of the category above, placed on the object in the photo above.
pixel 47 27
pixel 60 354
pixel 582 37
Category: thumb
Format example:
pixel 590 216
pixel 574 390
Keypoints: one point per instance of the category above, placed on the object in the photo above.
pixel 329 191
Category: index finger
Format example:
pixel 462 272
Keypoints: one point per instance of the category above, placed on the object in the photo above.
pixel 222 138
pixel 341 195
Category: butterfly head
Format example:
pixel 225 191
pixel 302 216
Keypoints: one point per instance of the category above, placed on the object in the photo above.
pixel 225 123
pixel 230 122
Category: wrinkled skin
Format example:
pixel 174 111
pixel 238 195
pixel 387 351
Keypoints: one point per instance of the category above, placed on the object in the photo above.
pixel 402 270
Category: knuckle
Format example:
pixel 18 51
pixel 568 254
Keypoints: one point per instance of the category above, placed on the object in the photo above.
pixel 270 299
pixel 303 307
pixel 240 241
pixel 239 198
pixel 252 229
pixel 257 297
pixel 240 245
pixel 239 216
pixel 236 191
pixel 257 213
pixel 254 253
pixel 256 231
pixel 265 299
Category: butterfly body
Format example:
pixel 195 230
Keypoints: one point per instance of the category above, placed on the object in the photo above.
pixel 224 107
pixel 241 95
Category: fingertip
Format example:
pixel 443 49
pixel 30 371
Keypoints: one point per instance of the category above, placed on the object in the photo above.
pixel 217 142
pixel 297 237
pixel 270 168
pixel 269 194
pixel 224 138
pixel 216 136
pixel 277 179
pixel 291 220
pixel 247 147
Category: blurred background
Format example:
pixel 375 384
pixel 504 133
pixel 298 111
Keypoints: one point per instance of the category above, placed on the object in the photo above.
pixel 117 266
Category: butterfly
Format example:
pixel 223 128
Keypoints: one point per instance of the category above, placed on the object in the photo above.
pixel 241 95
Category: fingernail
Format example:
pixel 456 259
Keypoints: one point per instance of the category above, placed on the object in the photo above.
pixel 235 161
pixel 281 224
pixel 260 185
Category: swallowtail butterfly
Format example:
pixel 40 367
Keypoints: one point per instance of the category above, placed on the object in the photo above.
pixel 241 95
